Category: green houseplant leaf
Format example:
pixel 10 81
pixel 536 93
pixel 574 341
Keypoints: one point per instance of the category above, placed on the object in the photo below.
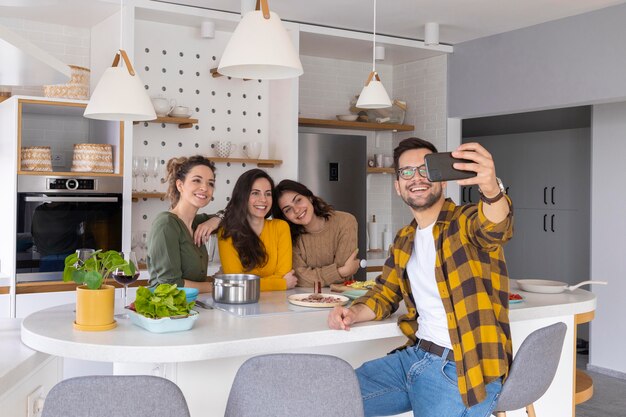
pixel 96 269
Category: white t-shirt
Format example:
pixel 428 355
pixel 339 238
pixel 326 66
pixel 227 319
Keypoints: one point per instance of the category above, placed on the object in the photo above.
pixel 432 322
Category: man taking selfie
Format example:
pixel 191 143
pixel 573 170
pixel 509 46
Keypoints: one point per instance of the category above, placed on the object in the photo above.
pixel 448 267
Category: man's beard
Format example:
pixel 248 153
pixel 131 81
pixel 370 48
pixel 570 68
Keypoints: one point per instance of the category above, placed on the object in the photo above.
pixel 431 200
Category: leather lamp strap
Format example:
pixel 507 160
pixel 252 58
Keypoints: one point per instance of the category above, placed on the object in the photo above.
pixel 116 61
pixel 373 74
pixel 262 4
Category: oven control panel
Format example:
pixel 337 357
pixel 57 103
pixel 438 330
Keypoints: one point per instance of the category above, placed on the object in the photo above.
pixel 71 184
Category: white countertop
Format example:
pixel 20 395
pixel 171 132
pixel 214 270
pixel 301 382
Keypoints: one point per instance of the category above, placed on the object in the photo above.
pixel 16 359
pixel 218 334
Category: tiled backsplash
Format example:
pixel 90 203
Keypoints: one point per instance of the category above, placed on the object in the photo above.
pixel 328 85
pixel 69 44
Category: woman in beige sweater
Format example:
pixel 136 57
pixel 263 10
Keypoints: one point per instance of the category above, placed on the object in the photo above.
pixel 324 240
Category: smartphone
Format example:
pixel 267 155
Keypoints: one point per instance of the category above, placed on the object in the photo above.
pixel 439 167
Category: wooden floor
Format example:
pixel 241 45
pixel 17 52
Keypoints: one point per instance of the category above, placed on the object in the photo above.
pixel 609 395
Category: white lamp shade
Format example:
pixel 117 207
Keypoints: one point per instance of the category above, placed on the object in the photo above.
pixel 373 96
pixel 260 49
pixel 120 96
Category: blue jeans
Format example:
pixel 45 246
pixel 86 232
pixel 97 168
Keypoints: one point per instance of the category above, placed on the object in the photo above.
pixel 413 379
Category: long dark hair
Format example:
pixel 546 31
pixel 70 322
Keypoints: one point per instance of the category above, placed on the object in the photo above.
pixel 235 224
pixel 320 207
pixel 177 169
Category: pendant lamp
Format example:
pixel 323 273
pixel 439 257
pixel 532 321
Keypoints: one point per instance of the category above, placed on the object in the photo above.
pixel 373 95
pixel 120 94
pixel 260 48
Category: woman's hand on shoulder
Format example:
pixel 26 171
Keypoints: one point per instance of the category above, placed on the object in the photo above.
pixel 204 230
pixel 291 279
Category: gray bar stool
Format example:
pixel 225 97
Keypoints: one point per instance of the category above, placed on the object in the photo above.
pixel 289 384
pixel 532 370
pixel 115 396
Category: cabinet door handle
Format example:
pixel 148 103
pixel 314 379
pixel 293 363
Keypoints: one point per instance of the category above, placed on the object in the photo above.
pixel 506 190
pixel 552 195
pixel 545 198
pixel 462 194
pixel 552 223
pixel 469 194
pixel 545 216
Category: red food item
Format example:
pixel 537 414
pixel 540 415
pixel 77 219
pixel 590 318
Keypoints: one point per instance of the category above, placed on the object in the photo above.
pixel 513 296
pixel 349 282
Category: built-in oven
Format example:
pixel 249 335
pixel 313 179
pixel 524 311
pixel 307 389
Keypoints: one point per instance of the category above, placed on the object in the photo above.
pixel 57 215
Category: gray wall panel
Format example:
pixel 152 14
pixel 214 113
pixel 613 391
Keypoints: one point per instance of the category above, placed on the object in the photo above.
pixel 567 62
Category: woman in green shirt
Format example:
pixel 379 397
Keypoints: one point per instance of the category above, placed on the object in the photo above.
pixel 176 250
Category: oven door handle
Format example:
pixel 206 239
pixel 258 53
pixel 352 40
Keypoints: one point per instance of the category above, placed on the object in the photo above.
pixel 71 199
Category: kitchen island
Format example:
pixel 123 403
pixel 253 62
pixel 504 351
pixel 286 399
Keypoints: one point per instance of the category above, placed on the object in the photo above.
pixel 204 360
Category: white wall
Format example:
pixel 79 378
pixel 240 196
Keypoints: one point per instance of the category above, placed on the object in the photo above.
pixel 608 227
pixel 68 43
pixel 328 85
pixel 423 85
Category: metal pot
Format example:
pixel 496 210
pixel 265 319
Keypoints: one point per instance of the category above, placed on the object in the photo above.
pixel 236 288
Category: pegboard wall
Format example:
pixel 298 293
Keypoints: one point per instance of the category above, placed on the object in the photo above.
pixel 174 62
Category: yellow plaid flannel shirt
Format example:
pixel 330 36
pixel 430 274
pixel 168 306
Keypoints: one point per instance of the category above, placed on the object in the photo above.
pixel 473 284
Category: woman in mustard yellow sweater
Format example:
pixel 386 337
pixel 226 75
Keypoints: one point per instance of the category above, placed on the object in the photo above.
pixel 249 242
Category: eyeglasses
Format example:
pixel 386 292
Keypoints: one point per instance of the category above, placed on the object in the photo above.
pixel 406 173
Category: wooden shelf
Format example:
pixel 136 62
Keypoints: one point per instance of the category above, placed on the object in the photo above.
pixel 378 170
pixel 584 387
pixel 137 195
pixel 58 286
pixel 338 124
pixel 69 174
pixel 182 122
pixel 261 163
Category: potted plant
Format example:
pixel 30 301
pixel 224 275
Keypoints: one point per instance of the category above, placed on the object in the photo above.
pixel 95 300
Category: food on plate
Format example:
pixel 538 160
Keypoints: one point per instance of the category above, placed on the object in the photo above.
pixel 321 298
pixel 514 296
pixel 166 301
pixel 360 285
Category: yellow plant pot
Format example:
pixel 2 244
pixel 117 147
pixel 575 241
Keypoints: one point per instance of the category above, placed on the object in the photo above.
pixel 94 308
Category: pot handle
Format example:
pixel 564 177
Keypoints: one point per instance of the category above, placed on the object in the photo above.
pixel 573 287
pixel 228 284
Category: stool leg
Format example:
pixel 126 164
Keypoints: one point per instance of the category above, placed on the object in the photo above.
pixel 530 410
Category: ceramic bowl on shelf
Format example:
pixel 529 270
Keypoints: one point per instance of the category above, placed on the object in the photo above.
pixel 347 117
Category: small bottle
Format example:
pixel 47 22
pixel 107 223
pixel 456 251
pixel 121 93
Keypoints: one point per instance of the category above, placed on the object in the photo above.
pixel 387 238
pixel 372 232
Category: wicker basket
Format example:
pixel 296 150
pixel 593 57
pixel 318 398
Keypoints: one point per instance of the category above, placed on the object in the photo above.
pixel 92 157
pixel 77 88
pixel 36 158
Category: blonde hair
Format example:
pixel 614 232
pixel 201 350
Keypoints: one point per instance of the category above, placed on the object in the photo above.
pixel 177 169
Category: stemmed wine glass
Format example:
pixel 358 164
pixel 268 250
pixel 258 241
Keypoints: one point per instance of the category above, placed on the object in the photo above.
pixel 136 169
pixel 145 172
pixel 153 168
pixel 125 277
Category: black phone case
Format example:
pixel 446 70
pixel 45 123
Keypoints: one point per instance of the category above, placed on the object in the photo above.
pixel 439 167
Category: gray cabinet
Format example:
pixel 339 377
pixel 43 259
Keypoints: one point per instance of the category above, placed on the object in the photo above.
pixel 548 179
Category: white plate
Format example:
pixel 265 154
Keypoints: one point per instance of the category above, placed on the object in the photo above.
pixel 544 286
pixel 298 299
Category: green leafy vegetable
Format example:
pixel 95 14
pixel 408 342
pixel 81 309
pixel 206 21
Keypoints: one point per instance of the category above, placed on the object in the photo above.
pixel 166 301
